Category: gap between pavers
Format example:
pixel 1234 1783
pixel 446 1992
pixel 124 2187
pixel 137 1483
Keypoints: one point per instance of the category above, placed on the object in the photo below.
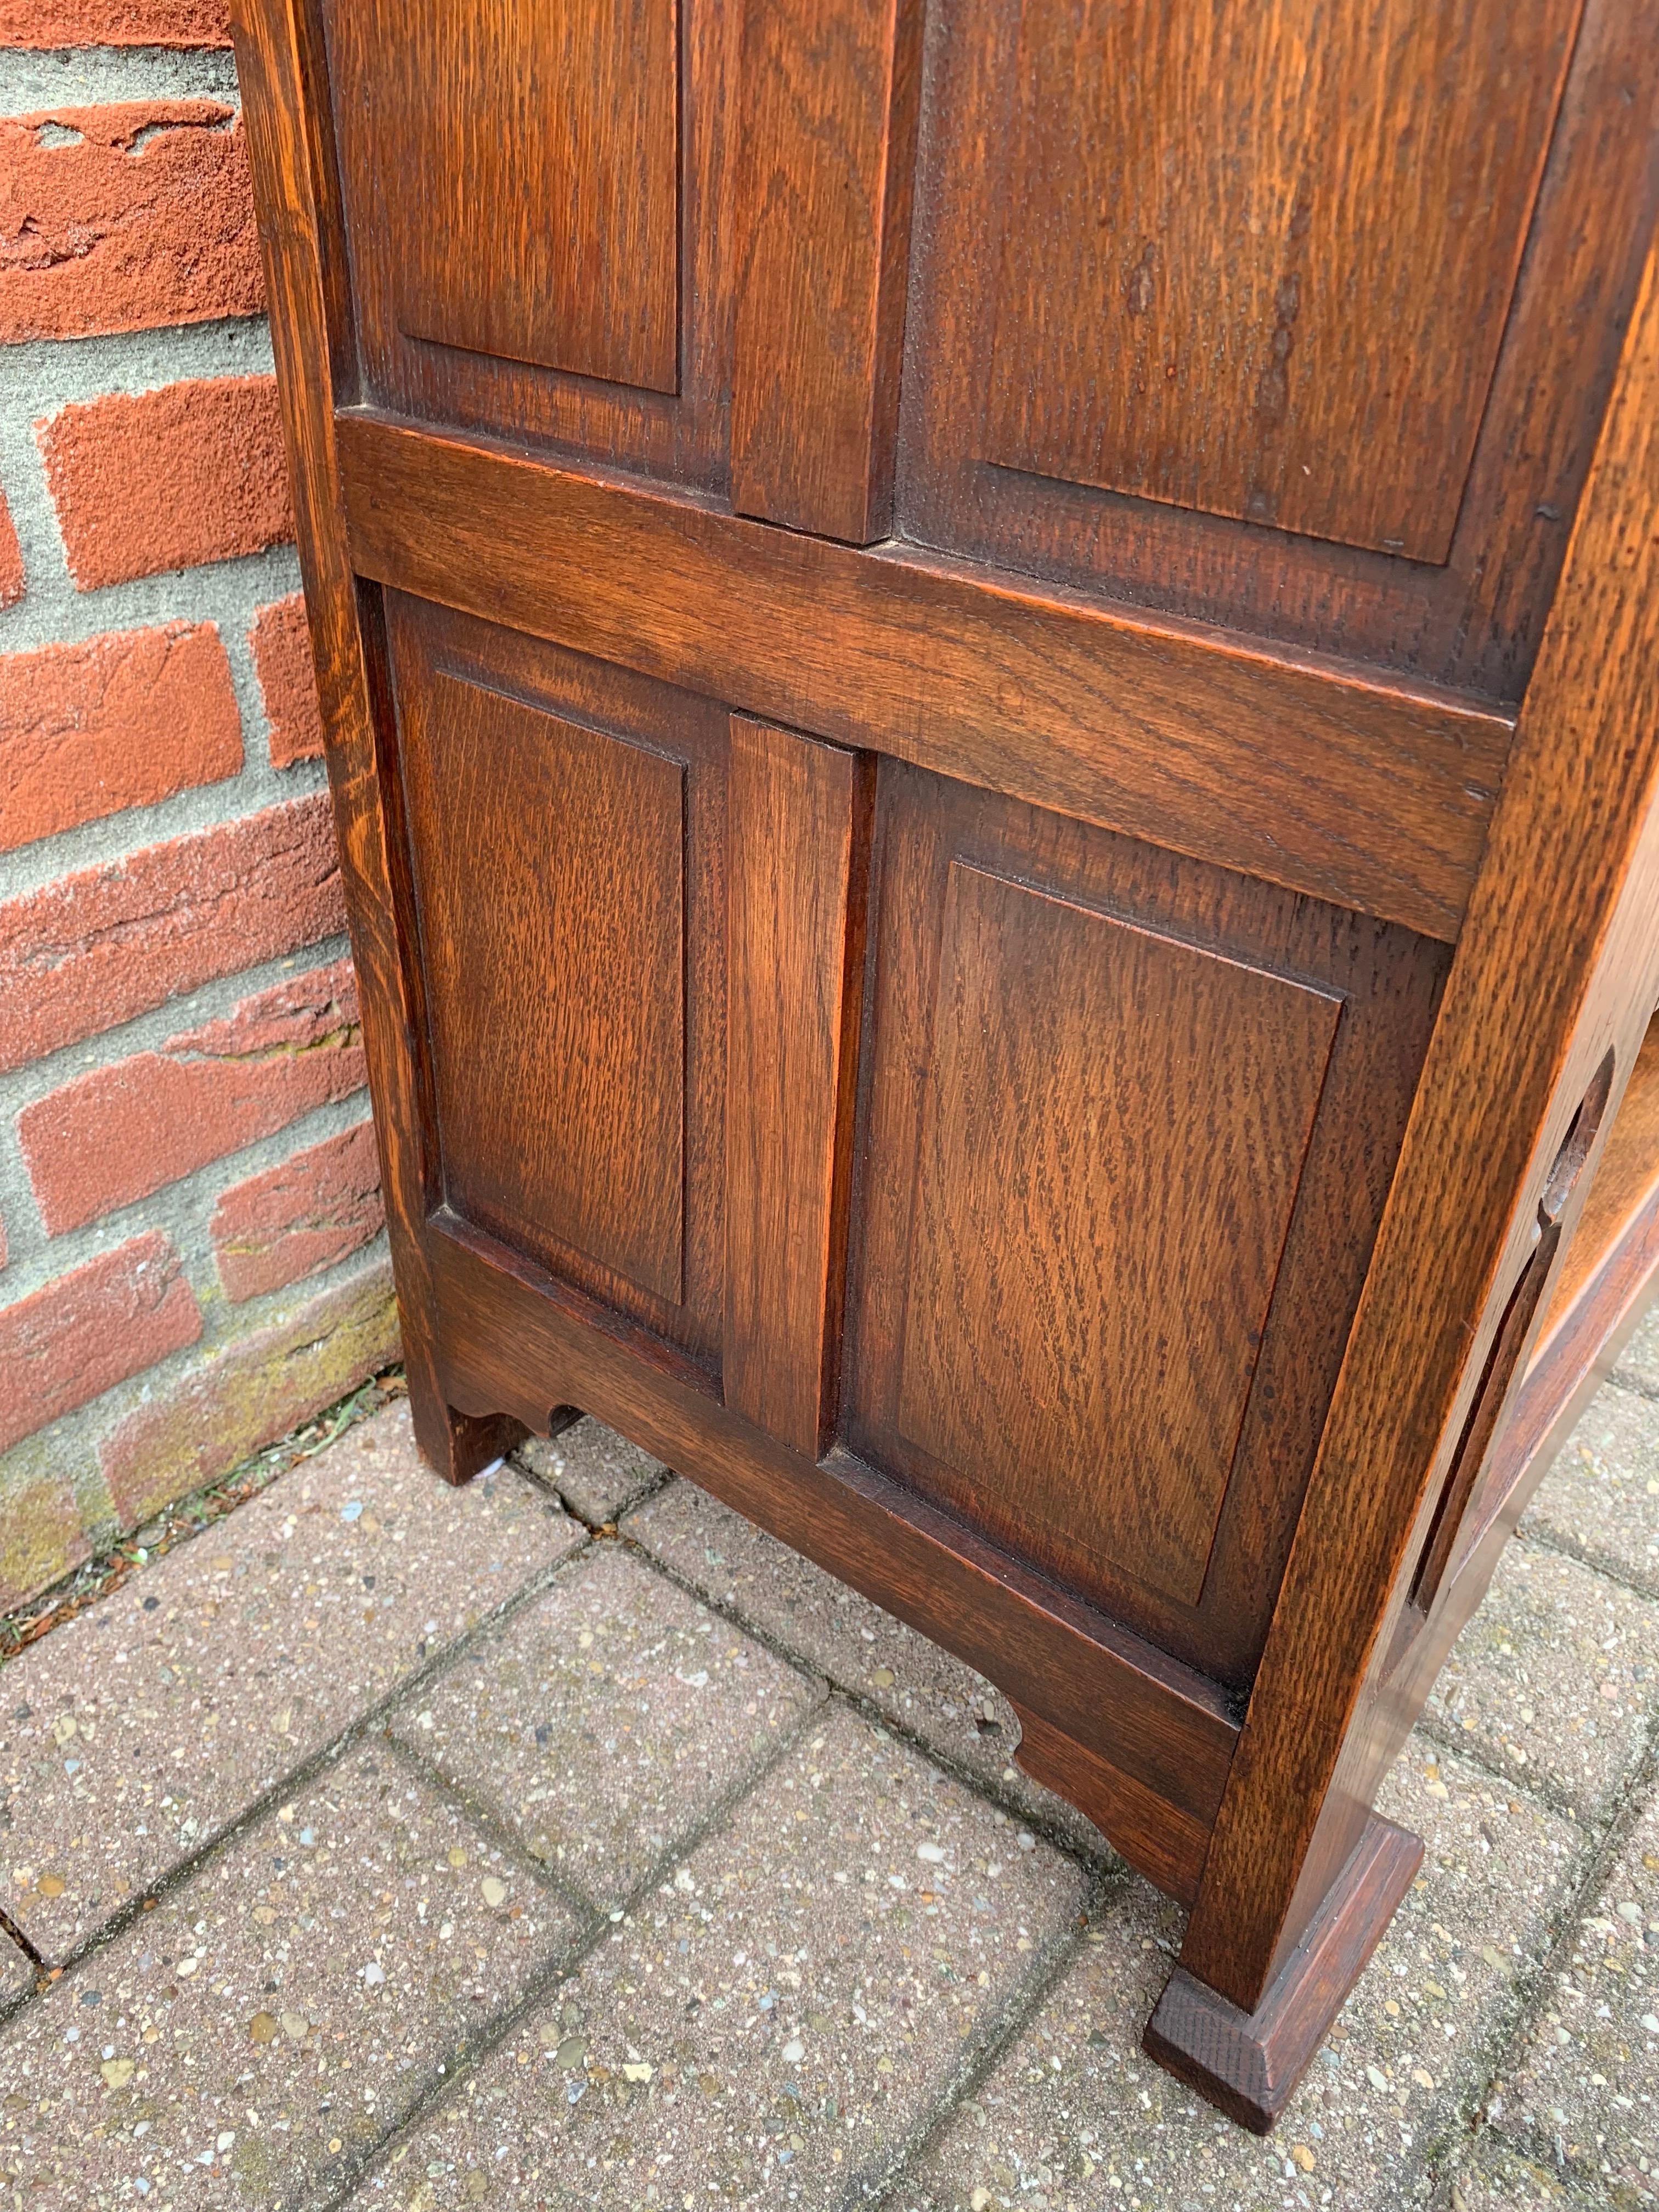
pixel 1580 2086
pixel 778 2019
pixel 597 1473
pixel 597 1723
pixel 1075 2114
pixel 136 1733
pixel 1551 1680
pixel 433 1670
pixel 926 1693
pixel 280 2009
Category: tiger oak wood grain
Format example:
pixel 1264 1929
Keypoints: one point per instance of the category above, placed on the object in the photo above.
pixel 1385 983
pixel 497 105
pixel 570 1133
pixel 800 816
pixel 597 1125
pixel 662 321
pixel 824 232
pixel 1257 263
pixel 1103 1102
pixel 1354 792
pixel 1473 623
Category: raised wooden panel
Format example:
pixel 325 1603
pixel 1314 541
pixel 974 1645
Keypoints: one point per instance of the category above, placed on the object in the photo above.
pixel 512 186
pixel 548 865
pixel 528 168
pixel 799 813
pixel 1256 260
pixel 1436 403
pixel 823 230
pixel 1114 1129
pixel 1127 1125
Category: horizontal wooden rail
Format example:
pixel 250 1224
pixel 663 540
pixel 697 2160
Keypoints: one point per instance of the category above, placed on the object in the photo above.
pixel 1369 795
pixel 1160 1735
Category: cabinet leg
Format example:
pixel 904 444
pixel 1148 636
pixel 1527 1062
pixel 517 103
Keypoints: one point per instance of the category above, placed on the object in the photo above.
pixel 1247 2064
pixel 459 1445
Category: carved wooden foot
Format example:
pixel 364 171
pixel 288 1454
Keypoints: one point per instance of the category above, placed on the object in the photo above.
pixel 1248 2064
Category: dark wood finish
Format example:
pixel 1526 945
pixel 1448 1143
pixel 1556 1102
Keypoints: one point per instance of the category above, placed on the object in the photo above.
pixel 571 1133
pixel 1299 329
pixel 1529 1014
pixel 1056 1371
pixel 1249 2063
pixel 1062 1060
pixel 465 106
pixel 591 1132
pixel 1473 623
pixel 799 828
pixel 1107 1080
pixel 601 265
pixel 1161 1734
pixel 1354 792
pixel 276 55
pixel 824 237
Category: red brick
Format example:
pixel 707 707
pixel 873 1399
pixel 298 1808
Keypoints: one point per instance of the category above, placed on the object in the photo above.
pixel 11 558
pixel 241 1400
pixel 95 948
pixel 39 24
pixel 115 1134
pixel 155 480
pixel 282 653
pixel 41 1538
pixel 79 1336
pixel 121 721
pixel 300 1217
pixel 145 219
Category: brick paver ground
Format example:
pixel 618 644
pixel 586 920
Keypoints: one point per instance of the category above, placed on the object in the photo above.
pixel 564 1842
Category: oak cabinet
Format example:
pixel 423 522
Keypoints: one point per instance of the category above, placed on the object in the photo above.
pixel 990 674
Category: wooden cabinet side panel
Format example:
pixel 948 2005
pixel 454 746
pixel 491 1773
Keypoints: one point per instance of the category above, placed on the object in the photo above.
pixel 567 844
pixel 1146 380
pixel 549 861
pixel 525 166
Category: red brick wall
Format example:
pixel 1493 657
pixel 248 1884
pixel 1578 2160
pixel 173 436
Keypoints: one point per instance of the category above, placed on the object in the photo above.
pixel 191 1256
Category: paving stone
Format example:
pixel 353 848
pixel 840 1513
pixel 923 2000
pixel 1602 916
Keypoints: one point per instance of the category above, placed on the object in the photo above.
pixel 773 2026
pixel 250 2039
pixel 1637 1364
pixel 598 1473
pixel 1075 2115
pixel 606 1720
pixel 1601 1496
pixel 139 1729
pixel 1553 1678
pixel 948 1707
pixel 1498 2177
pixel 1584 2087
pixel 16 1973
